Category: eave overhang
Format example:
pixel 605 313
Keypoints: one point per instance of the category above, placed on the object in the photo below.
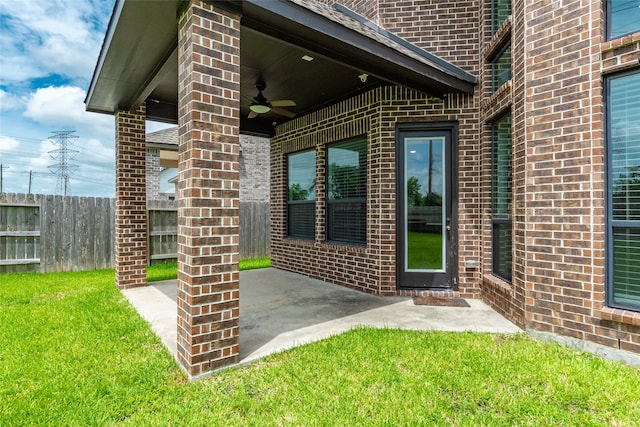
pixel 139 49
pixel 136 59
pixel 294 23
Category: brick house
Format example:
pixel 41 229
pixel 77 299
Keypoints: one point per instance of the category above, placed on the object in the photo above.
pixel 161 163
pixel 162 166
pixel 480 149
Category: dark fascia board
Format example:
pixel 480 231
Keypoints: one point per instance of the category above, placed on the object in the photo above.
pixel 111 28
pixel 162 112
pixel 117 83
pixel 257 127
pixel 302 27
pixel 299 26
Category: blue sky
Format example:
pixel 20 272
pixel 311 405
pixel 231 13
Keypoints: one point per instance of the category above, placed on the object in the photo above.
pixel 48 51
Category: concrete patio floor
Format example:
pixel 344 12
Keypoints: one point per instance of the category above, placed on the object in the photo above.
pixel 281 310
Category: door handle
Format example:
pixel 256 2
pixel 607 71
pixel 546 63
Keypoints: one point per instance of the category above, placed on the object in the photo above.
pixel 448 224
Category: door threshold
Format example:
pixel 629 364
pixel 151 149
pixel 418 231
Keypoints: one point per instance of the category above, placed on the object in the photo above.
pixel 441 301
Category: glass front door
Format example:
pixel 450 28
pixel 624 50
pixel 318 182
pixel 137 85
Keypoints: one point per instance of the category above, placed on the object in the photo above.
pixel 425 229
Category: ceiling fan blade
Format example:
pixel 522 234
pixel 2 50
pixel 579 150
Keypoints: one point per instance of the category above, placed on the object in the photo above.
pixel 283 103
pixel 252 115
pixel 283 112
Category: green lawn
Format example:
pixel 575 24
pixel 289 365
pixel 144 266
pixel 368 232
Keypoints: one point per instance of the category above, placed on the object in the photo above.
pixel 74 352
pixel 169 270
pixel 424 250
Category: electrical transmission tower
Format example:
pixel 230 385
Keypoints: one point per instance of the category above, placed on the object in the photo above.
pixel 62 169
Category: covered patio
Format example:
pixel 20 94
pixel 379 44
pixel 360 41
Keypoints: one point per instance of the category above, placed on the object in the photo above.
pixel 281 310
pixel 216 69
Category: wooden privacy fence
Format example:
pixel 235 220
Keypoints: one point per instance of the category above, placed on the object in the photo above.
pixel 255 226
pixel 163 230
pixel 49 233
pixel 55 233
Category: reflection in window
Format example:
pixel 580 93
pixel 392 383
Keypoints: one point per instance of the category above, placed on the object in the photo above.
pixel 501 68
pixel 501 197
pixel 500 9
pixel 347 191
pixel 425 193
pixel 623 17
pixel 623 150
pixel 301 188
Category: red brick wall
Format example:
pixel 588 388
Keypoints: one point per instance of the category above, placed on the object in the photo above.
pixel 519 152
pixel 623 325
pixel 131 200
pixel 565 206
pixel 208 194
pixel 556 98
pixel 375 114
pixel 563 251
pixel 447 28
pixel 506 298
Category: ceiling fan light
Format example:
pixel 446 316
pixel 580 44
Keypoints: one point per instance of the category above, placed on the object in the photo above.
pixel 259 108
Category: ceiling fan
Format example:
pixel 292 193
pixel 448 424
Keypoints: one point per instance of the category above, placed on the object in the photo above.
pixel 261 105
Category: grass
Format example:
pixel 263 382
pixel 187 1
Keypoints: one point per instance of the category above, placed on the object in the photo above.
pixel 74 352
pixel 254 263
pixel 424 250
pixel 169 270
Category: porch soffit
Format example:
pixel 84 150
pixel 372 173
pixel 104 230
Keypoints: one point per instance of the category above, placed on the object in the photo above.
pixel 138 62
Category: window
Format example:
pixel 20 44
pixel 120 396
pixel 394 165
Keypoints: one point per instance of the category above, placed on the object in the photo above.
pixel 623 17
pixel 501 197
pixel 347 191
pixel 301 188
pixel 623 173
pixel 501 68
pixel 500 9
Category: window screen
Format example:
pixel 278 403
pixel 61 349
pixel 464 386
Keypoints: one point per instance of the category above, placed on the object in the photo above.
pixel 623 151
pixel 623 17
pixel 347 191
pixel 301 188
pixel 501 197
pixel 500 9
pixel 501 68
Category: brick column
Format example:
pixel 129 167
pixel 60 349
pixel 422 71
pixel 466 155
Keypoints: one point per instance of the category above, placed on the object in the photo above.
pixel 564 199
pixel 131 200
pixel 208 188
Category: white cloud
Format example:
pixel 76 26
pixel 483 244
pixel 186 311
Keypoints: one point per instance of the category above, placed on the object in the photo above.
pixel 93 151
pixel 62 37
pixel 49 50
pixel 91 155
pixel 44 159
pixel 8 144
pixel 63 107
pixel 8 101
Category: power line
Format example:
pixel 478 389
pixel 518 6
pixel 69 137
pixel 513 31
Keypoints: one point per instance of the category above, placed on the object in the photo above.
pixel 19 138
pixel 63 154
